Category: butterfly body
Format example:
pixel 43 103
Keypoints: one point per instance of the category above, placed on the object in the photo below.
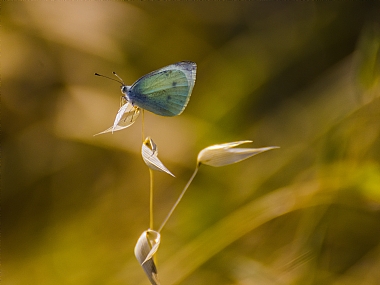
pixel 164 92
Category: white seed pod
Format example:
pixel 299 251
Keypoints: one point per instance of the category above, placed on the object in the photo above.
pixel 146 246
pixel 125 117
pixel 224 154
pixel 149 152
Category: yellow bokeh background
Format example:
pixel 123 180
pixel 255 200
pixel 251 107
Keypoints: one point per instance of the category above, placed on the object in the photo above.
pixel 300 75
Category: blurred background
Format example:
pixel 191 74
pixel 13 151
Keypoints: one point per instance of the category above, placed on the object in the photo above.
pixel 302 76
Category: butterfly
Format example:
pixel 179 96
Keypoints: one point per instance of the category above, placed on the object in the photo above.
pixel 164 92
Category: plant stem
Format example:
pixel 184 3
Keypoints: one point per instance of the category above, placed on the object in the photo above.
pixel 142 125
pixel 179 198
pixel 151 200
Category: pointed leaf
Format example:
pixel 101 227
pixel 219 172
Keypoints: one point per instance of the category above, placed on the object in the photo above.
pixel 225 154
pixel 146 246
pixel 149 152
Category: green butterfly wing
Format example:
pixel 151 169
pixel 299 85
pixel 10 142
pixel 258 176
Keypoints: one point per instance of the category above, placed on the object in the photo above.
pixel 166 91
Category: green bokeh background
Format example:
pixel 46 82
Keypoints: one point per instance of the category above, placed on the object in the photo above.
pixel 300 75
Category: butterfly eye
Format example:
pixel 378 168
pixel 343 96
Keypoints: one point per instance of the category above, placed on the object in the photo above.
pixel 124 89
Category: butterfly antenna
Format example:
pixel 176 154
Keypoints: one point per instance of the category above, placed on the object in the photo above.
pixel 121 81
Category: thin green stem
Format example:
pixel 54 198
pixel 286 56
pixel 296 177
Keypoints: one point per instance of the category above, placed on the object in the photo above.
pixel 179 198
pixel 151 200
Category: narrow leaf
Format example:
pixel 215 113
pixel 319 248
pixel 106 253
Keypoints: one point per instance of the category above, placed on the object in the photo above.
pixel 149 152
pixel 225 154
pixel 146 246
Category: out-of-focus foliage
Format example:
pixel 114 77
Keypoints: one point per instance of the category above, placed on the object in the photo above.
pixel 303 76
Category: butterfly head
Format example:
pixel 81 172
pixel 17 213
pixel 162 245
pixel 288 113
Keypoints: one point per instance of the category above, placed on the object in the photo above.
pixel 124 90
